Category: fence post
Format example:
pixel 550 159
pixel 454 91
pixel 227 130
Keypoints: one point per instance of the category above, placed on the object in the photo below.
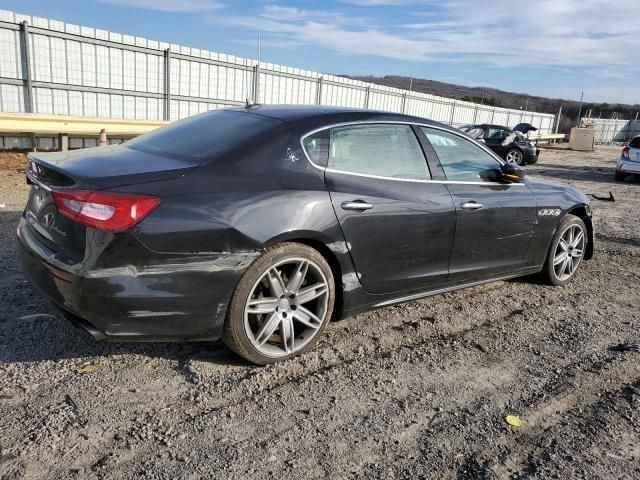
pixel 26 62
pixel 475 115
pixel 508 116
pixel 319 91
pixel 167 85
pixel 453 112
pixel 366 97
pixel 404 103
pixel 493 112
pixel 256 83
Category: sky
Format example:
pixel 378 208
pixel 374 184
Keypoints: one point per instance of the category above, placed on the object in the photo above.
pixel 553 48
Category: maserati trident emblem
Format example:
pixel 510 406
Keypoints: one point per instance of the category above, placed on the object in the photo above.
pixel 48 220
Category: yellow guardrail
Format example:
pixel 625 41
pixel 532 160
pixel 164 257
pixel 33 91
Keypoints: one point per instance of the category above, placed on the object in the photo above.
pixel 55 124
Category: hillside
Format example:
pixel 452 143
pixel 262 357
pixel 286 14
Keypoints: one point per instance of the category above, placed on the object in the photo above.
pixel 500 98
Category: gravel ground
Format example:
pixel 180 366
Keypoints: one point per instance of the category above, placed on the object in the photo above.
pixel 416 390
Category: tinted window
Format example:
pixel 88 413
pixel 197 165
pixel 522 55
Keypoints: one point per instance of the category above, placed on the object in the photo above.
pixel 203 136
pixel 382 149
pixel 461 160
pixel 476 132
pixel 317 147
pixel 497 133
pixel 635 143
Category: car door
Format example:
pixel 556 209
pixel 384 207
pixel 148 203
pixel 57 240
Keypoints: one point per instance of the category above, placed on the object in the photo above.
pixel 495 221
pixel 494 136
pixel 399 227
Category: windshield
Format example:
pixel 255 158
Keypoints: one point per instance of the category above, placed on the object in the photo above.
pixel 203 136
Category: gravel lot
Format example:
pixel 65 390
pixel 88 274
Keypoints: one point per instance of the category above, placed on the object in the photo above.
pixel 419 389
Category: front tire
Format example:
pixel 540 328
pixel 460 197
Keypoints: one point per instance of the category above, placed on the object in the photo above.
pixel 281 305
pixel 566 251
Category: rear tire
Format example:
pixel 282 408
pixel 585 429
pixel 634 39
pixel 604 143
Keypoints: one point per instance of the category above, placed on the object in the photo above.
pixel 619 176
pixel 515 156
pixel 566 251
pixel 281 305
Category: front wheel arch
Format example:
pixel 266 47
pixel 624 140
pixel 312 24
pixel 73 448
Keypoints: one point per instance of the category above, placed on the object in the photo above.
pixel 581 212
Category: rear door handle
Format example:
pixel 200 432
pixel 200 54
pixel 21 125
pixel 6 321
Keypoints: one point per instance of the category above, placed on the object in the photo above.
pixel 471 205
pixel 357 205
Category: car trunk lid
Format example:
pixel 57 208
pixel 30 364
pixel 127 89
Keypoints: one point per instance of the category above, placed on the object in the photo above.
pixel 93 169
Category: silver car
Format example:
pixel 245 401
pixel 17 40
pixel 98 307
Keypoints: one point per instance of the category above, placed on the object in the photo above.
pixel 629 162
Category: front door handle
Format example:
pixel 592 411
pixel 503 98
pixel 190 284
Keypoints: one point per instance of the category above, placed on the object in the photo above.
pixel 357 205
pixel 471 205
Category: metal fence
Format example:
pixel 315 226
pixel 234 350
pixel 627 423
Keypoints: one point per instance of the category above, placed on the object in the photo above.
pixel 612 130
pixel 48 66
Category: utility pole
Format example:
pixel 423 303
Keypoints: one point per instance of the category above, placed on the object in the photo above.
pixel 558 120
pixel 259 48
pixel 580 109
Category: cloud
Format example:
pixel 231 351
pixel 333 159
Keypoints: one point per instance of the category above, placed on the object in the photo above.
pixel 168 5
pixel 591 35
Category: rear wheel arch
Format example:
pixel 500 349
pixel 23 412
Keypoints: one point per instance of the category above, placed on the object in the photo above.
pixel 322 248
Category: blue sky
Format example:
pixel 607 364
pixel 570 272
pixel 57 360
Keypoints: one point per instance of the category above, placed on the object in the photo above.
pixel 549 47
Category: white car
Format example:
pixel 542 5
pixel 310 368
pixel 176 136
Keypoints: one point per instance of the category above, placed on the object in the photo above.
pixel 629 162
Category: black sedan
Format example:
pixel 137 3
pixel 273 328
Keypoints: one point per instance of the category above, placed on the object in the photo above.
pixel 511 145
pixel 259 225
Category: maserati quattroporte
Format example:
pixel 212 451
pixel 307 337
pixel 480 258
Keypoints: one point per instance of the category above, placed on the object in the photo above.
pixel 258 225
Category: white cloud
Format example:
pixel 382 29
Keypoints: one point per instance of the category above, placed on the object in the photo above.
pixel 554 33
pixel 168 5
pixel 592 40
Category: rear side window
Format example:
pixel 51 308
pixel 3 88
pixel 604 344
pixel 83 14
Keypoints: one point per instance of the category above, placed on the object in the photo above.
pixel 317 147
pixel 497 133
pixel 203 136
pixel 476 132
pixel 385 150
pixel 635 143
pixel 462 160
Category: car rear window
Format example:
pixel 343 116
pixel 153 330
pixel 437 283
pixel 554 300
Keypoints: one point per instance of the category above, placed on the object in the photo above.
pixel 635 143
pixel 203 136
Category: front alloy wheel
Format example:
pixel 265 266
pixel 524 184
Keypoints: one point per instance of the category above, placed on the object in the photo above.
pixel 282 304
pixel 569 252
pixel 566 251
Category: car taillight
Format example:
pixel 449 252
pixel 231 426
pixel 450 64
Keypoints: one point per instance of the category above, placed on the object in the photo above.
pixel 625 152
pixel 108 211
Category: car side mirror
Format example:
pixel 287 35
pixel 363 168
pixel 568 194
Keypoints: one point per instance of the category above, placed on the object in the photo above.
pixel 512 173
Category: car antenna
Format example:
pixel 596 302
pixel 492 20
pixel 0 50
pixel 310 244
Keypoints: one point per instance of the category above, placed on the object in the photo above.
pixel 248 103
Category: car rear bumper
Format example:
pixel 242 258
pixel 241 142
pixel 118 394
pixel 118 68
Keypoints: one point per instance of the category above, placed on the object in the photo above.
pixel 530 156
pixel 168 298
pixel 628 166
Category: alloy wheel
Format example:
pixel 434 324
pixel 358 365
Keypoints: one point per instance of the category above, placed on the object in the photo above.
pixel 569 252
pixel 286 307
pixel 514 156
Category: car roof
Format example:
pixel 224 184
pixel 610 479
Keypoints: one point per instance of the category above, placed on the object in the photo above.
pixel 489 125
pixel 325 115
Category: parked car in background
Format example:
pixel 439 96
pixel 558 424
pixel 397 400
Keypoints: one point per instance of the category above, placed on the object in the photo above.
pixel 629 162
pixel 511 145
pixel 258 225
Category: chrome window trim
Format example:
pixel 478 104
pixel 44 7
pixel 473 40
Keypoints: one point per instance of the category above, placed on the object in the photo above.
pixel 400 122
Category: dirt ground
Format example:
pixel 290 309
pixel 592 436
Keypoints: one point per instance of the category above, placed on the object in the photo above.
pixel 415 390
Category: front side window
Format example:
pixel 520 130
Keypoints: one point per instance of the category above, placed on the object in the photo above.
pixel 462 160
pixel 635 143
pixel 386 150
